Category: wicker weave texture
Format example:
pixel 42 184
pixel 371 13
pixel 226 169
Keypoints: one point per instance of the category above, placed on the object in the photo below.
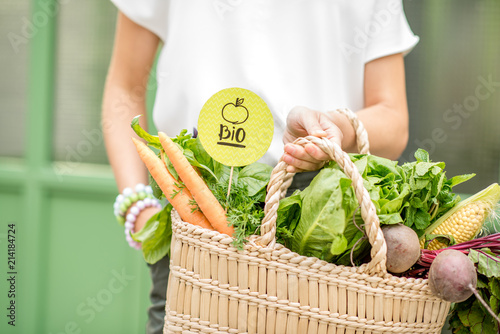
pixel 213 288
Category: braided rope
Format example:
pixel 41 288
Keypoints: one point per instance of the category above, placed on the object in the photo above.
pixel 361 134
pixel 281 180
pixel 368 212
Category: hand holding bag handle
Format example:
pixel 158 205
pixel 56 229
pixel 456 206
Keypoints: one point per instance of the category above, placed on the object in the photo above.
pixel 281 180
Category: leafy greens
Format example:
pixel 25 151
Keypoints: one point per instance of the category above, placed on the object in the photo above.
pixel 316 221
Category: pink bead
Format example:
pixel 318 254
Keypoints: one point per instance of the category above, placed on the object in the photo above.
pixel 129 238
pixel 134 210
pixel 131 218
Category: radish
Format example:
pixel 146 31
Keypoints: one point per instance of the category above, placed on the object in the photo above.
pixel 403 247
pixel 452 276
pixel 442 277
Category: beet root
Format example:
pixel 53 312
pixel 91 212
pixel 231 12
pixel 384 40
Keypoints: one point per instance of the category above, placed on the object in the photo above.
pixel 452 276
pixel 403 247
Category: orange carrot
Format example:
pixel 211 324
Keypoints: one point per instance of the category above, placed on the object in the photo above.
pixel 202 195
pixel 182 201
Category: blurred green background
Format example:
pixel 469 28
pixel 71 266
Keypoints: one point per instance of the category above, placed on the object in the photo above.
pixel 75 273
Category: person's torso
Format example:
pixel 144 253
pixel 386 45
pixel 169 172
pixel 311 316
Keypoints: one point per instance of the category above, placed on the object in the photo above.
pixel 298 52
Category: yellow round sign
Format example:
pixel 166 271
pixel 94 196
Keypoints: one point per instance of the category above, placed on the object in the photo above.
pixel 235 127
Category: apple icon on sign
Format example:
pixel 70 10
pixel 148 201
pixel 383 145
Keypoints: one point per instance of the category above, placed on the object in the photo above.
pixel 235 113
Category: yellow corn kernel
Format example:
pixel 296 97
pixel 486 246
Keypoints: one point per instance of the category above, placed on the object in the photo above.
pixel 465 220
pixel 463 225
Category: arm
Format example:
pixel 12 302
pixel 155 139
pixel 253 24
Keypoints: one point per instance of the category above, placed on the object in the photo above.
pixel 385 117
pixel 124 98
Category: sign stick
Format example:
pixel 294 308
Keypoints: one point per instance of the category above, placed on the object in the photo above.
pixel 229 187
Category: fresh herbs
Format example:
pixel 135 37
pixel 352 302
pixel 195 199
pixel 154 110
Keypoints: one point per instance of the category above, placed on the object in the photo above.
pixel 246 198
pixel 244 212
pixel 430 191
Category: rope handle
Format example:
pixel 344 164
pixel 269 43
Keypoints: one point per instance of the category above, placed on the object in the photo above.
pixel 281 180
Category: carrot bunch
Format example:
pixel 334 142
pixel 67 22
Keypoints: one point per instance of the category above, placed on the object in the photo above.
pixel 190 200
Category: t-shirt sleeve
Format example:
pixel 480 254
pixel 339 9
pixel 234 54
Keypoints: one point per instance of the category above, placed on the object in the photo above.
pixel 151 14
pixel 388 31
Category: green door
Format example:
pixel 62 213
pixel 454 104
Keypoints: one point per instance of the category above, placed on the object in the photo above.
pixel 71 270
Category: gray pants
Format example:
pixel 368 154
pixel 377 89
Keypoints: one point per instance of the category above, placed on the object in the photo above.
pixel 160 270
pixel 158 296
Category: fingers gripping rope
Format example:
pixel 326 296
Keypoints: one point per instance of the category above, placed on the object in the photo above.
pixel 368 212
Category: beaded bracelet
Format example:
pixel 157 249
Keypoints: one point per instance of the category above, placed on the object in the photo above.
pixel 128 197
pixel 132 217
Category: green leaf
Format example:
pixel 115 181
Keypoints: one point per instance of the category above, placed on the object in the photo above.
pixel 382 167
pixel 422 155
pixel 437 184
pixel 422 219
pixel 255 177
pixel 487 263
pixel 454 321
pixel 153 141
pixel 494 287
pixel 472 316
pixel 460 179
pixel 156 236
pixel 201 156
pixel 417 203
pixel 324 219
pixel 447 239
pixel 422 168
pixel 394 205
pixel 223 172
pixel 338 244
pixel 288 217
pixel 495 304
pixel 390 219
pixel 170 169
pixel 190 156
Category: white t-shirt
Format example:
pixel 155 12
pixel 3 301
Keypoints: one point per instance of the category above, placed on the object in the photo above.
pixel 289 52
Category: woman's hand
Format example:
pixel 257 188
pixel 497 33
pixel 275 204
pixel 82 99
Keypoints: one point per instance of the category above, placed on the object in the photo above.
pixel 303 122
pixel 143 218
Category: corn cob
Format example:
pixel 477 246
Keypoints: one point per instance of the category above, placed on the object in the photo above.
pixel 466 219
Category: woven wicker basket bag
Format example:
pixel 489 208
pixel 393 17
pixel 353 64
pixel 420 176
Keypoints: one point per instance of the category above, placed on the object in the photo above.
pixel 266 288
